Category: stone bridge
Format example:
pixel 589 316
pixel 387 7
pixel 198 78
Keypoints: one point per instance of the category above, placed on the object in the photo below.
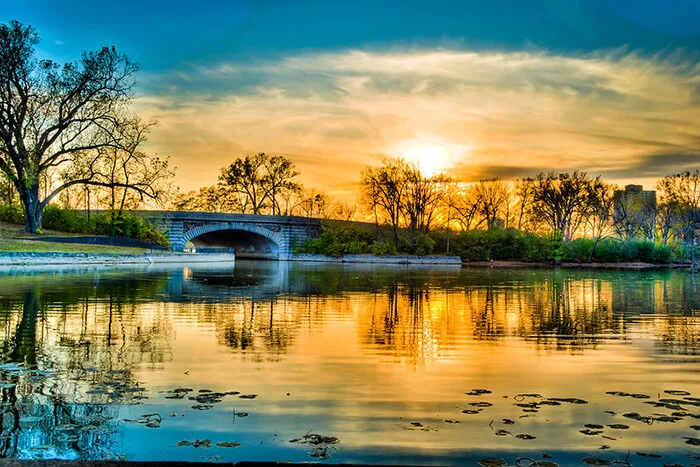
pixel 252 236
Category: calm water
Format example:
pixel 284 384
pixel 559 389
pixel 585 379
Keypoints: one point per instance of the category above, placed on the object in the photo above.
pixel 378 357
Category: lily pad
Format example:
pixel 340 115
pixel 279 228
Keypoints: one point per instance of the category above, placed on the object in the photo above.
pixel 595 461
pixel 248 396
pixel 480 404
pixel 502 432
pixel 594 426
pixel 184 442
pixel 202 407
pixel 692 441
pixel 508 421
pixel 570 400
pixel 478 392
pixel 618 426
pixel 471 412
pixel 228 444
pixel 525 436
pixel 589 432
pixel 452 421
pixel 677 392
pixel 649 454
pixel 202 443
pixel 492 462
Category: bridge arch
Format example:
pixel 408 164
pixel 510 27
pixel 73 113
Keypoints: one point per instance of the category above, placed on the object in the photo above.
pixel 249 240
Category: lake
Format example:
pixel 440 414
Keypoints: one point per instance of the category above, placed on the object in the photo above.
pixel 351 363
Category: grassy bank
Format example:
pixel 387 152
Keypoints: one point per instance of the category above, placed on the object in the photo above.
pixel 13 238
pixel 506 245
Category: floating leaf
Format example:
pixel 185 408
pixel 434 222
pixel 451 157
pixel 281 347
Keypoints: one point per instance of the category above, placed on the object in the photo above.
pixel 677 392
pixel 248 396
pixel 228 444
pixel 202 407
pixel 502 432
pixel 570 400
pixel 525 436
pixel 184 443
pixel 478 392
pixel 492 462
pixel 452 421
pixel 618 426
pixel 416 424
pixel 649 454
pixel 470 411
pixel 508 421
pixel 202 443
pixel 692 441
pixel 589 432
pixel 480 404
pixel 593 425
pixel 595 461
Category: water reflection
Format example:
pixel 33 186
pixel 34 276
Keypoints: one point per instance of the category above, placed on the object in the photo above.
pixel 81 349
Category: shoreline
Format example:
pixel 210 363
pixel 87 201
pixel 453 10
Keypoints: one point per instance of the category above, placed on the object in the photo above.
pixel 569 265
pixel 107 259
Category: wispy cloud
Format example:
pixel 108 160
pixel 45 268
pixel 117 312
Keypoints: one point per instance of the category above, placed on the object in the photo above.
pixel 609 112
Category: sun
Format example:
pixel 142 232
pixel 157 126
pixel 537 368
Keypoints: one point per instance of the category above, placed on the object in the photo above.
pixel 431 155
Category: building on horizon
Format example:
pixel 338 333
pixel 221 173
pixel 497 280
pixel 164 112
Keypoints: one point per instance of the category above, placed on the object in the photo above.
pixel 634 212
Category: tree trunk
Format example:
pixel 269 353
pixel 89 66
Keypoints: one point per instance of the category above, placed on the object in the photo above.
pixel 32 208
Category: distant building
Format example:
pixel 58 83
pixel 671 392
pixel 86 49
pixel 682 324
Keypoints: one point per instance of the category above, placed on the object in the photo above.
pixel 634 212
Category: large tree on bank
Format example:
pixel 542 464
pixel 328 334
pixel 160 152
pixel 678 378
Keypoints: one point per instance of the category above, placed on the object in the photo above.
pixel 63 119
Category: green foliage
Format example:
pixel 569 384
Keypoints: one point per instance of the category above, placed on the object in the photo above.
pixel 104 223
pixel 11 214
pixel 506 245
pixel 611 250
pixel 65 220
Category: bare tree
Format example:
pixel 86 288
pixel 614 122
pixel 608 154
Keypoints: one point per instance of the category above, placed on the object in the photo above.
pixel 682 193
pixel 562 201
pixel 598 221
pixel 281 173
pixel 383 190
pixel 55 116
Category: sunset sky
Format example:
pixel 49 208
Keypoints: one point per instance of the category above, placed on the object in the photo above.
pixel 474 88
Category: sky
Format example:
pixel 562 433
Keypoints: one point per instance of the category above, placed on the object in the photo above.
pixel 504 88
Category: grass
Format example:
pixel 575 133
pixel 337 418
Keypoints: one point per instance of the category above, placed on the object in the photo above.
pixel 13 238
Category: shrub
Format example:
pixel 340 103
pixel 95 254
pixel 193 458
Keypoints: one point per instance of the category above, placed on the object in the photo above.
pixel 11 214
pixel 65 220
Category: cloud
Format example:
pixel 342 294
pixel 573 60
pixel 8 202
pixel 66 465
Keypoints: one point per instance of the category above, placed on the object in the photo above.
pixel 520 113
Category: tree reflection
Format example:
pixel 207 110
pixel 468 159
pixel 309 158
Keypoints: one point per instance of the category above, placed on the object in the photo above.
pixel 65 371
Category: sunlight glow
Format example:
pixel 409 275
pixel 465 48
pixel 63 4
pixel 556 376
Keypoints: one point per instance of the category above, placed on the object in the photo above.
pixel 432 155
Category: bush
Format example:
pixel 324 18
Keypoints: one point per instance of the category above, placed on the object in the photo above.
pixel 126 225
pixel 11 214
pixel 65 220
